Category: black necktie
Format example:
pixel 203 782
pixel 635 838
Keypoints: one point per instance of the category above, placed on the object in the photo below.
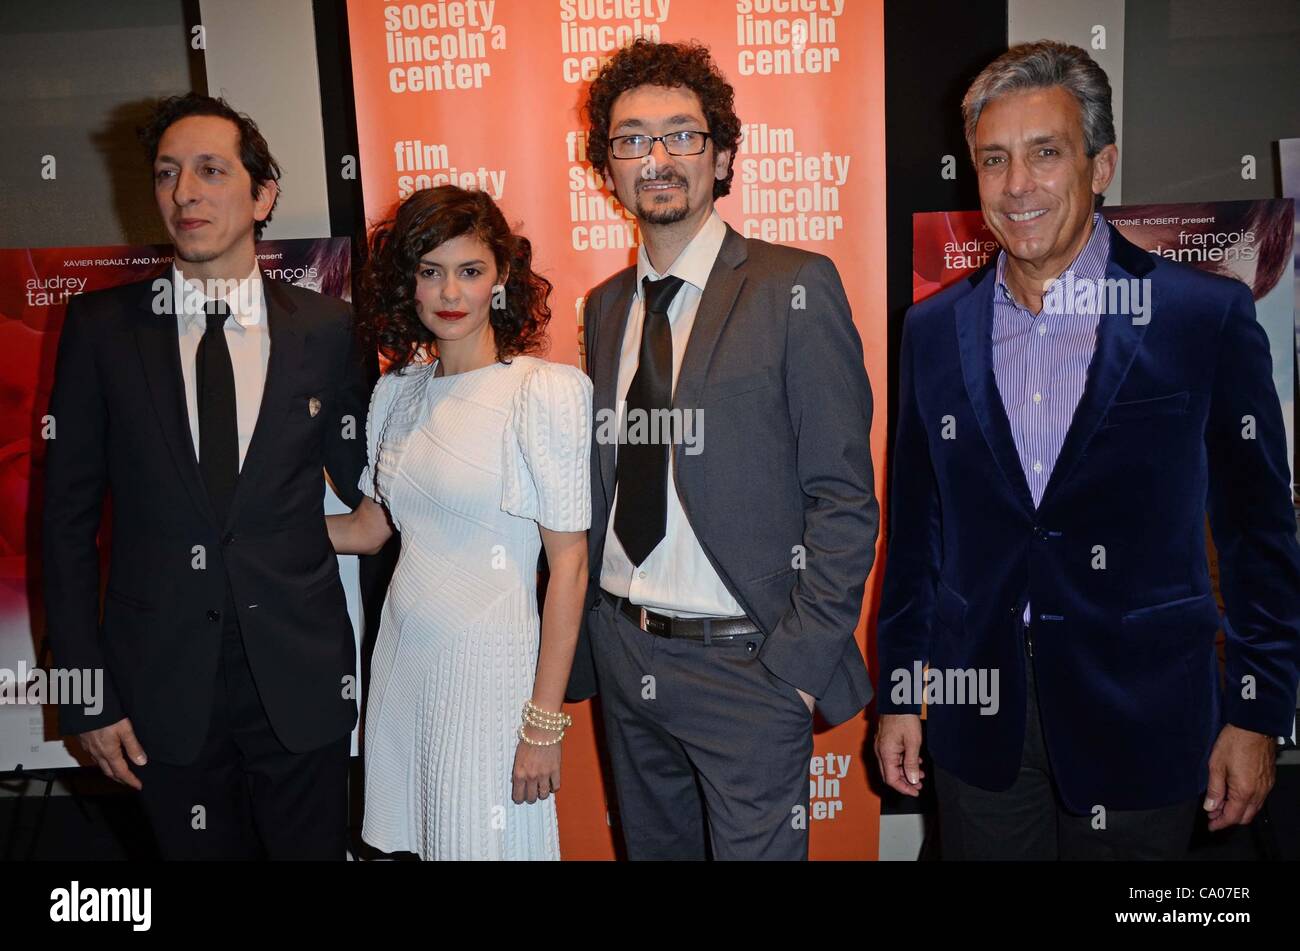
pixel 218 426
pixel 641 477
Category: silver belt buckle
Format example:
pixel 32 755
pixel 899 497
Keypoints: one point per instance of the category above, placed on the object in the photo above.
pixel 643 621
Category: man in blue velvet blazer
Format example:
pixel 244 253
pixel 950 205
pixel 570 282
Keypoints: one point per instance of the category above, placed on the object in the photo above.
pixel 1047 592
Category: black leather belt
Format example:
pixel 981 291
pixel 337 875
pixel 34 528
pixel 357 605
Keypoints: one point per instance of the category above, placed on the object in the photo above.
pixel 692 628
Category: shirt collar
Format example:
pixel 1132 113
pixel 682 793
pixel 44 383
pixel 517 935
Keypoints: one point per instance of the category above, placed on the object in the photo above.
pixel 245 301
pixel 1088 264
pixel 695 262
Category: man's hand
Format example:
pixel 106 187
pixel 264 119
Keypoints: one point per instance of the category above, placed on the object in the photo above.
pixel 106 745
pixel 898 752
pixel 1242 770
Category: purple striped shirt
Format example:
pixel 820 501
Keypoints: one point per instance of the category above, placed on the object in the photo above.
pixel 1041 361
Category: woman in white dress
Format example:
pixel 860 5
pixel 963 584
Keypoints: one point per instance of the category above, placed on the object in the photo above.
pixel 479 458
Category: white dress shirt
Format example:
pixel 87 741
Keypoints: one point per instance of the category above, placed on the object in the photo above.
pixel 676 578
pixel 248 338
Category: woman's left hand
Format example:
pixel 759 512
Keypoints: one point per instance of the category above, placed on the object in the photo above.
pixel 536 772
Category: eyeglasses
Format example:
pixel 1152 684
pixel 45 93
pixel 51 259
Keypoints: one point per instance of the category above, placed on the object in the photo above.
pixel 676 143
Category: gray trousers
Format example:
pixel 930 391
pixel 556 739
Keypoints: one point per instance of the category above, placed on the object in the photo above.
pixel 701 736
pixel 1028 822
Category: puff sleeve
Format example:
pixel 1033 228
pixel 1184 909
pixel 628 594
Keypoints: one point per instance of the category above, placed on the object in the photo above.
pixel 546 471
pixel 381 403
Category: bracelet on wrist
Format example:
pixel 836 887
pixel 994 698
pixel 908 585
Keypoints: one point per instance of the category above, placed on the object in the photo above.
pixel 534 715
pixel 523 735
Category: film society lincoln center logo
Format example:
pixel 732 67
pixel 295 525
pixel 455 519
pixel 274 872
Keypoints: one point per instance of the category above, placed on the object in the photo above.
pixel 443 45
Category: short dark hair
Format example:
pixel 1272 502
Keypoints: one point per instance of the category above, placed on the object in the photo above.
pixel 254 153
pixel 646 63
pixel 386 307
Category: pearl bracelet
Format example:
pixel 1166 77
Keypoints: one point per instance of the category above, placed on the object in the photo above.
pixel 545 719
pixel 531 742
pixel 551 725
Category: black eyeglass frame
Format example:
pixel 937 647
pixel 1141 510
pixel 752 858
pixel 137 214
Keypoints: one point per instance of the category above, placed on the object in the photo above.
pixel 704 144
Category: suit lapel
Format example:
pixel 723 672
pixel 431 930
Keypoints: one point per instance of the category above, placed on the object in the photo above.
pixel 612 322
pixel 716 303
pixel 288 348
pixel 157 337
pixel 1118 339
pixel 974 317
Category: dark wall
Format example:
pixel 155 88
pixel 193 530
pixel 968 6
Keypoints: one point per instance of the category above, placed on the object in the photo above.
pixel 338 116
pixel 76 78
pixel 1204 84
pixel 932 52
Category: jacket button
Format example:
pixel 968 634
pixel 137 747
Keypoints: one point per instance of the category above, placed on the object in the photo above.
pixel 214 615
pixel 750 647
pixel 228 538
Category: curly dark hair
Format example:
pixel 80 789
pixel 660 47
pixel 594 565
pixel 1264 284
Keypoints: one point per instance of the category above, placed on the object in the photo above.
pixel 254 153
pixel 387 314
pixel 646 63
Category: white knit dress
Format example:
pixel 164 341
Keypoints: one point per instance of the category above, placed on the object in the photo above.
pixel 468 465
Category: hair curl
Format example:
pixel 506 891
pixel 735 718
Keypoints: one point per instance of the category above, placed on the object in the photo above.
pixel 646 63
pixel 254 153
pixel 387 314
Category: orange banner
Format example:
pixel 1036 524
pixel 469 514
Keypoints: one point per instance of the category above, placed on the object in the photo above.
pixel 485 94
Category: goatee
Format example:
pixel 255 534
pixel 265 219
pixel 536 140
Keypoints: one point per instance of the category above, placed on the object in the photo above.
pixel 656 214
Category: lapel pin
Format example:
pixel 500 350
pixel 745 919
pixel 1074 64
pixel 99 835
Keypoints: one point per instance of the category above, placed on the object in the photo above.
pixel 313 406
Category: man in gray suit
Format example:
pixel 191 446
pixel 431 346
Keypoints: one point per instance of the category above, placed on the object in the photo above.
pixel 733 514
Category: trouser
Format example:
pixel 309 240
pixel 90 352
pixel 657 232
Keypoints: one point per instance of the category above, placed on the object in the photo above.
pixel 246 796
pixel 1028 821
pixel 701 736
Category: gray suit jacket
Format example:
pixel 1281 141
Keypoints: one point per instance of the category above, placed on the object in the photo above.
pixel 775 364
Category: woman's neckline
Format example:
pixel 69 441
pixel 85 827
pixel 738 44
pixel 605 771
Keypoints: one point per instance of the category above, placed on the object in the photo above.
pixel 433 370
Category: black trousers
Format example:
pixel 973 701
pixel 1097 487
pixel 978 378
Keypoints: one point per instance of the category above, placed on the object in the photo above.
pixel 1028 822
pixel 247 797
pixel 704 742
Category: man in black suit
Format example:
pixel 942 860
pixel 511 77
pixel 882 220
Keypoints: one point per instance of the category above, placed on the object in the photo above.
pixel 729 559
pixel 208 403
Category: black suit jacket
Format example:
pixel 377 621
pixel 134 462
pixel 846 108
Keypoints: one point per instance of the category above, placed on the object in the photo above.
pixel 775 364
pixel 121 424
